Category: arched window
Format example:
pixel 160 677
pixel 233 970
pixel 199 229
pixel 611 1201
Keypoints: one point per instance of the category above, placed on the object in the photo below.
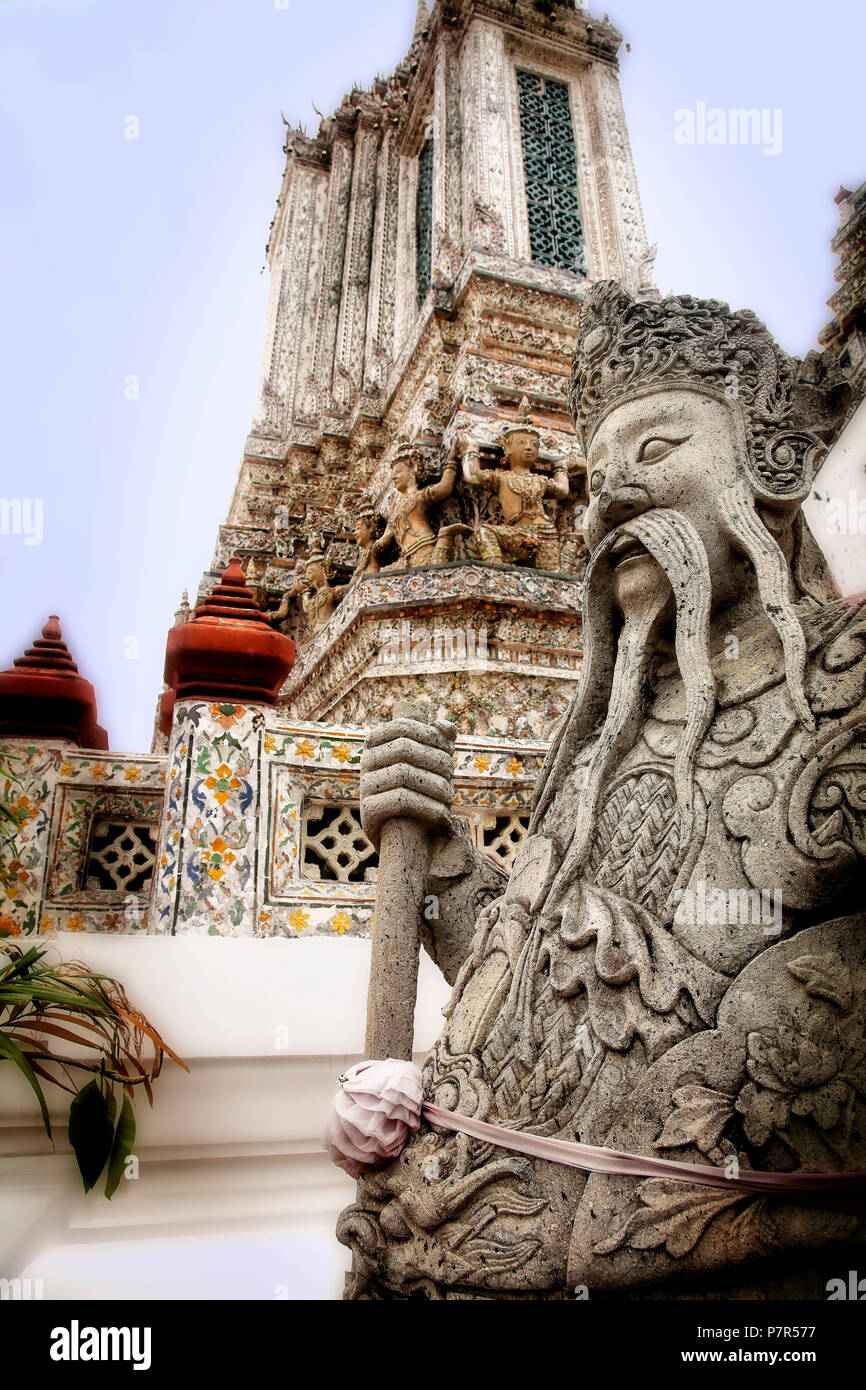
pixel 424 221
pixel 550 173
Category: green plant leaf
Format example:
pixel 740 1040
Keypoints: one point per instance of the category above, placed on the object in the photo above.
pixel 91 1131
pixel 39 993
pixel 20 965
pixel 9 1049
pixel 124 1138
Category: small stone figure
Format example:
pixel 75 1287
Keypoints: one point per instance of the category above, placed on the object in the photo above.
pixel 528 535
pixel 278 615
pixel 365 536
pixel 574 553
pixel 283 541
pixel 318 598
pixel 184 612
pixel 255 580
pixel 408 524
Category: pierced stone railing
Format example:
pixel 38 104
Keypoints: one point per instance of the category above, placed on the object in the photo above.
pixel 87 844
pixel 249 827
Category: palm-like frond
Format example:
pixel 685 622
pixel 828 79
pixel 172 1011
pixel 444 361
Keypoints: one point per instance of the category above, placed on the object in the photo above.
pixel 69 1002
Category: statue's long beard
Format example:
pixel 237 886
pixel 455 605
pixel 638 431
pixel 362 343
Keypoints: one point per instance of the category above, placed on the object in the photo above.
pixel 615 673
pixel 747 531
pixel 615 670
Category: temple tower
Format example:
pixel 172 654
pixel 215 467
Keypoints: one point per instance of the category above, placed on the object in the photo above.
pixel 430 246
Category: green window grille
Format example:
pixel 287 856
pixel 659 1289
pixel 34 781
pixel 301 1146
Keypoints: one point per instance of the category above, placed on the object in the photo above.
pixel 550 173
pixel 424 221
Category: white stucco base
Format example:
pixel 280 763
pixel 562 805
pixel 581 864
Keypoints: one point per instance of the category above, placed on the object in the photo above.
pixel 836 509
pixel 235 1197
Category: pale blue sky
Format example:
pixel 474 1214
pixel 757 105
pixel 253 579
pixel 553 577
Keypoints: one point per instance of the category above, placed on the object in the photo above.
pixel 142 257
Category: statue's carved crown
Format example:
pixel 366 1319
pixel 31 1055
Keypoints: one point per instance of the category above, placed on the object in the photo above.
pixel 626 347
pixel 405 453
pixel 522 424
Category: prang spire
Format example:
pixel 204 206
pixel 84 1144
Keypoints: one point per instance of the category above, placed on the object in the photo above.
pixel 422 20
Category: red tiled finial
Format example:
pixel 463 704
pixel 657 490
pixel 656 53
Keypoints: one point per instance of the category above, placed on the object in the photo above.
pixel 43 696
pixel 227 651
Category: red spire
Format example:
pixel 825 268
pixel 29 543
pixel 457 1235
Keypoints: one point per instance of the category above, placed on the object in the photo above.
pixel 227 651
pixel 231 598
pixel 49 652
pixel 43 695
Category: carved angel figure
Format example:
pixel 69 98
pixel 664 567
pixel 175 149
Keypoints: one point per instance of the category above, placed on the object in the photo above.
pixel 409 519
pixel 528 535
pixel 316 595
pixel 365 536
pixel 675 965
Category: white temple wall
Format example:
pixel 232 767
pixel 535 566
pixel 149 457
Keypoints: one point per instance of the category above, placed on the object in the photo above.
pixel 235 1197
pixel 836 509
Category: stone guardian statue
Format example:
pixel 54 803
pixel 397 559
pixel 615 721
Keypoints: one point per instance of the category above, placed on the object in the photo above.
pixel 675 966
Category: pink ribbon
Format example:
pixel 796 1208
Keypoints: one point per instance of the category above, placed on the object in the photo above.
pixel 378 1103
pixel 596 1160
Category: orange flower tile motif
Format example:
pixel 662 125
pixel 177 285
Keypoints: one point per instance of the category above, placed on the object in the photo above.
pixel 8 927
pixel 341 922
pixel 342 752
pixel 305 749
pixel 99 772
pixel 218 856
pixel 133 774
pixel 227 715
pixel 222 783
pixel 269 744
pixel 299 919
pixel 514 767
pixel 482 764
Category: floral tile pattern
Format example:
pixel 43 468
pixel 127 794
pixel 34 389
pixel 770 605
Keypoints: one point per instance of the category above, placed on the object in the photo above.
pixel 239 782
pixel 60 792
pixel 229 804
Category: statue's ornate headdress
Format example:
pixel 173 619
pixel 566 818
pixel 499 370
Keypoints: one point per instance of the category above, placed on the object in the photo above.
pixel 406 453
pixel 419 456
pixel 628 347
pixel 522 425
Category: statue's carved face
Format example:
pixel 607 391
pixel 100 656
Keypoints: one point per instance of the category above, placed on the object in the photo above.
pixel 363 531
pixel 402 475
pixel 521 448
pixel 676 449
pixel 315 574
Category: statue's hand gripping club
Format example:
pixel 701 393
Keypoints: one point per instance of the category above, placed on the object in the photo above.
pixel 406 793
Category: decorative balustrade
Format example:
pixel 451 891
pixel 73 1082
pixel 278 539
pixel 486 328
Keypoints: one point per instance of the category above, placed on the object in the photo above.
pixel 250 827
